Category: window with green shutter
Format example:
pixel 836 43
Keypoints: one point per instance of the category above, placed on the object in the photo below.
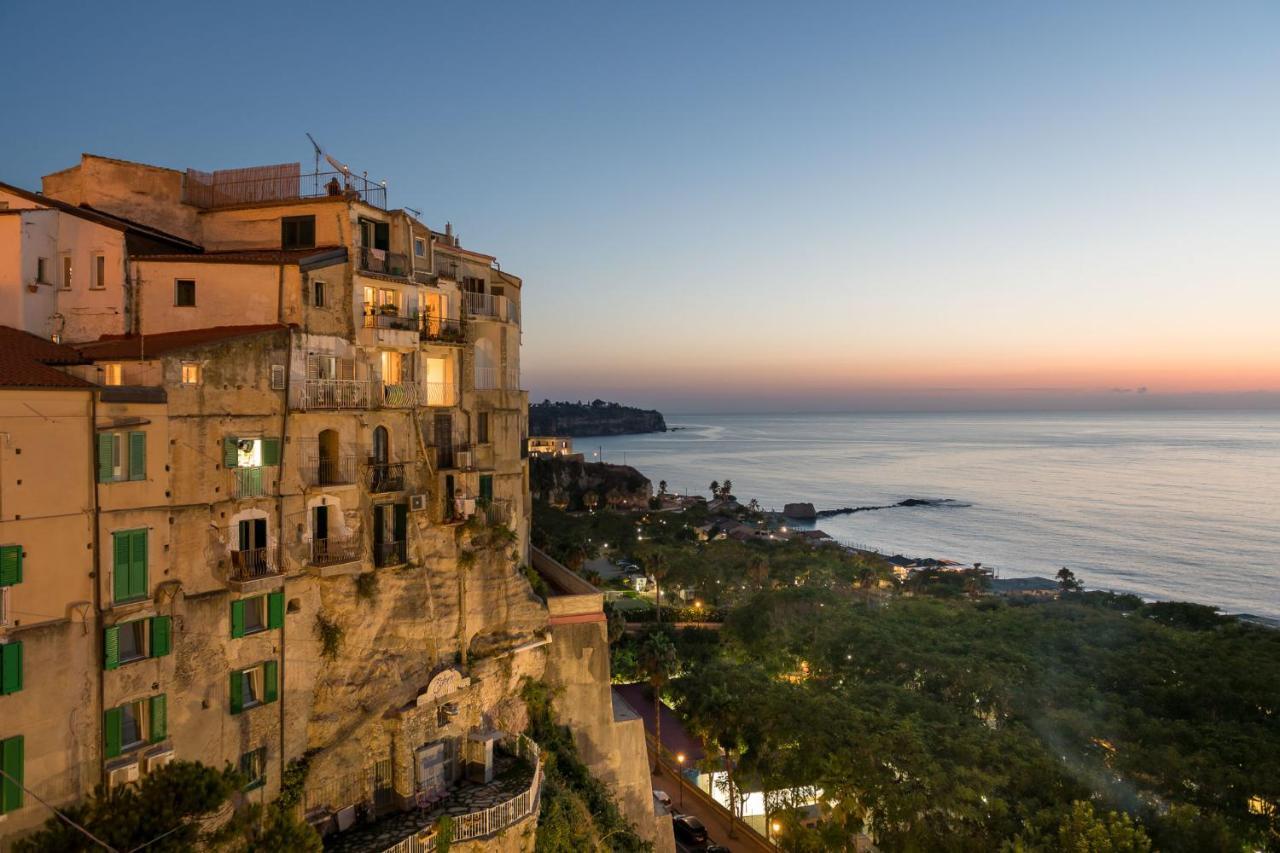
pixel 253 767
pixel 11 761
pixel 269 686
pixel 106 457
pixel 270 451
pixel 111 721
pixel 111 647
pixel 129 577
pixel 10 668
pixel 10 565
pixel 159 718
pixel 237 691
pixel 275 610
pixel 137 456
pixel 161 636
pixel 237 619
pixel 230 451
pixel 486 488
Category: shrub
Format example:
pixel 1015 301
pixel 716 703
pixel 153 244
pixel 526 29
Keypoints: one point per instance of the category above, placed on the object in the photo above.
pixel 330 635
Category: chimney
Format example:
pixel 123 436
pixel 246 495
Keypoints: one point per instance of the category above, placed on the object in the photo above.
pixel 448 233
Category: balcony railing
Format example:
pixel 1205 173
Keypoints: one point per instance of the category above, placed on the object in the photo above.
pixel 387 320
pixel 400 396
pixel 492 378
pixel 441 394
pixel 284 182
pixel 490 306
pixel 447 267
pixel 250 482
pixel 453 456
pixel 249 564
pixel 447 330
pixel 384 477
pixel 329 552
pixel 388 553
pixel 337 394
pixel 495 511
pixel 385 263
pixel 329 470
pixel 4 607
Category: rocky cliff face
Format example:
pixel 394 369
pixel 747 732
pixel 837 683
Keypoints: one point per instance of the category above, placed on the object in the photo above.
pixel 572 484
pixel 597 418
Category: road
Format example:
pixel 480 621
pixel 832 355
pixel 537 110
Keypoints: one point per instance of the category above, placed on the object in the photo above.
pixel 712 815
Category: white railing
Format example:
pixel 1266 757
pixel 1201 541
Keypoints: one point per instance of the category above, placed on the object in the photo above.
pixel 487 378
pixel 441 393
pixel 4 607
pixel 487 305
pixel 400 396
pixel 511 379
pixel 337 394
pixel 249 482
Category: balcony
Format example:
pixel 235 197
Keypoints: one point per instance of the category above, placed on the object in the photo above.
pixel 337 394
pixel 495 512
pixel 383 262
pixel 442 330
pixel 495 378
pixel 400 396
pixel 487 306
pixel 249 482
pixel 380 478
pixel 252 569
pixel 332 552
pixel 329 471
pixel 383 319
pixel 452 456
pixel 389 554
pixel 285 182
pixel 440 394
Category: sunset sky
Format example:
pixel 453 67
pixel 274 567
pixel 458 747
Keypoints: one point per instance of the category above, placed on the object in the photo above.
pixel 733 206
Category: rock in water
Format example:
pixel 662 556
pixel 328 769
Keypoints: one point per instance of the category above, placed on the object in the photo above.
pixel 802 511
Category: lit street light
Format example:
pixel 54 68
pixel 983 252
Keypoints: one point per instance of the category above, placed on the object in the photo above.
pixel 680 761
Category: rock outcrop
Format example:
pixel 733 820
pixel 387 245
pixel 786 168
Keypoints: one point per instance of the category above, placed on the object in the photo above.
pixel 595 418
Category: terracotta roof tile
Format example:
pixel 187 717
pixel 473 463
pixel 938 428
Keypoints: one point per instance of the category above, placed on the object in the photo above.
pixel 25 361
pixel 245 256
pixel 135 346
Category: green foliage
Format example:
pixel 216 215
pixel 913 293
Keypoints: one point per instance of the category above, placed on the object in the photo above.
pixel 616 621
pixel 536 581
pixel 1084 832
pixel 330 634
pixel 444 834
pixel 274 827
pixel 295 779
pixel 466 559
pixel 367 586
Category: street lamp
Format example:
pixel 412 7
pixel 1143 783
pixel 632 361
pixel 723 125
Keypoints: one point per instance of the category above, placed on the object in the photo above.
pixel 680 761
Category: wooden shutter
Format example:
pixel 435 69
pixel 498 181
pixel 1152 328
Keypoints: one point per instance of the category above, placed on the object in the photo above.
pixel 159 718
pixel 161 636
pixel 230 451
pixel 10 565
pixel 111 647
pixel 346 368
pixel 270 451
pixel 11 762
pixel 277 377
pixel 138 564
pixel 269 671
pixel 106 467
pixel 120 567
pixel 111 731
pixel 237 692
pixel 275 610
pixel 237 619
pixel 10 668
pixel 137 456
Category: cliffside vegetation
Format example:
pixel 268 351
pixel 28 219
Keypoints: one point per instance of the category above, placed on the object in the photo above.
pixel 594 418
pixel 576 485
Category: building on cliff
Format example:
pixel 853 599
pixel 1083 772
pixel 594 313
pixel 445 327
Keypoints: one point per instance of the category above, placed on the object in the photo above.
pixel 263 493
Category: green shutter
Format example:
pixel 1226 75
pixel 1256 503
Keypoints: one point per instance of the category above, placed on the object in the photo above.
pixel 120 566
pixel 111 647
pixel 237 692
pixel 138 564
pixel 486 488
pixel 161 636
pixel 237 619
pixel 230 451
pixel 270 451
pixel 11 762
pixel 10 565
pixel 159 718
pixel 10 668
pixel 106 444
pixel 269 681
pixel 111 731
pixel 137 456
pixel 275 610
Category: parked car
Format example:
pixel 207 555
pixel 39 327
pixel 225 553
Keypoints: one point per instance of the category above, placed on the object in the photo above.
pixel 689 830
pixel 715 848
pixel 662 797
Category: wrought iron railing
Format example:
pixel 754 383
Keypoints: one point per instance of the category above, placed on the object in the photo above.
pixel 492 306
pixel 440 394
pixel 249 482
pixel 383 262
pixel 250 564
pixel 403 396
pixel 388 553
pixel 337 394
pixel 374 319
pixel 384 477
pixel 493 378
pixel 442 330
pixel 328 552
pixel 329 470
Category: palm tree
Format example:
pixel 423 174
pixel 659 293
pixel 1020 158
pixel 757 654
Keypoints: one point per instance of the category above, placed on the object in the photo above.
pixel 658 661
pixel 726 489
pixel 715 488
pixel 662 487
pixel 658 565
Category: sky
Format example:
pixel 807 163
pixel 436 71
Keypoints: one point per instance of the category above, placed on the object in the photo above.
pixel 739 206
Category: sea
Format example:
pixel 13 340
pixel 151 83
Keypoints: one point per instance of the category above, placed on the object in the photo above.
pixel 1180 506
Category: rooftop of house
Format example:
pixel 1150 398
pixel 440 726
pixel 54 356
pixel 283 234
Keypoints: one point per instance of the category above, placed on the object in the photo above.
pixel 110 220
pixel 319 255
pixel 134 347
pixel 26 361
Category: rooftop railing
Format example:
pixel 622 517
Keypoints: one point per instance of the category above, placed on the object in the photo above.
pixel 279 183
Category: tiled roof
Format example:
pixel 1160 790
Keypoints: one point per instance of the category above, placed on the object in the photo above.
pixel 249 256
pixel 136 346
pixel 25 360
pixel 101 217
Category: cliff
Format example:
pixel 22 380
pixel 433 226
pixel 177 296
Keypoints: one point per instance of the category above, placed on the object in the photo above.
pixel 576 485
pixel 594 418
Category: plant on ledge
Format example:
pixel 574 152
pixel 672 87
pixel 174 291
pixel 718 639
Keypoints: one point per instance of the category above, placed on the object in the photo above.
pixel 367 586
pixel 330 635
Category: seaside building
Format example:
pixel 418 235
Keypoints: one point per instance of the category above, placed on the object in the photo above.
pixel 263 494
pixel 550 445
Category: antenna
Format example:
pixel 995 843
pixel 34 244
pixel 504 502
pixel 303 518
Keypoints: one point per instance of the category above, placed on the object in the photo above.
pixel 316 145
pixel 417 213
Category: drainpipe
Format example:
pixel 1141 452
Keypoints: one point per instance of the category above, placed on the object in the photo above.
pixel 100 655
pixel 280 531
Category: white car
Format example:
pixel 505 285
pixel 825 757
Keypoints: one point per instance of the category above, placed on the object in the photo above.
pixel 662 797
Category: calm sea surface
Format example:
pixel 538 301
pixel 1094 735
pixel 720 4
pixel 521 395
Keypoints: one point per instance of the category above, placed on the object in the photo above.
pixel 1182 506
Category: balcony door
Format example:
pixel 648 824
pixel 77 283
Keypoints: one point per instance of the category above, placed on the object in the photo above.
pixel 320 523
pixel 444 440
pixel 381 446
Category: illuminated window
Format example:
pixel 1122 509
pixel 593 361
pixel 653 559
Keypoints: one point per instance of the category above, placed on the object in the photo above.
pixel 190 373
pixel 99 268
pixel 113 374
pixel 66 272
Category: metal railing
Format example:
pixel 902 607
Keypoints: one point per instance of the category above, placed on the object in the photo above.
pixel 495 511
pixel 383 262
pixel 440 394
pixel 452 455
pixel 4 607
pixel 400 396
pixel 374 319
pixel 284 182
pixel 384 477
pixel 511 379
pixel 389 553
pixel 447 267
pixel 491 306
pixel 494 378
pixel 328 552
pixel 250 564
pixel 337 394
pixel 329 470
pixel 442 329
pixel 336 792
pixel 249 482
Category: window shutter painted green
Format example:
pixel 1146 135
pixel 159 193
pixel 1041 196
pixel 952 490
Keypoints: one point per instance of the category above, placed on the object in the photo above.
pixel 230 451
pixel 10 668
pixel 10 565
pixel 12 764
pixel 275 610
pixel 270 451
pixel 111 647
pixel 161 636
pixel 159 718
pixel 120 566
pixel 237 692
pixel 138 564
pixel 106 466
pixel 269 692
pixel 111 731
pixel 237 619
pixel 137 456
pixel 486 488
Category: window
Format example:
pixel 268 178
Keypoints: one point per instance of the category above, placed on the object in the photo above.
pixel 66 272
pixel 277 377
pixel 253 766
pixel 190 373
pixel 419 247
pixel 486 489
pixel 113 374
pixel 253 686
pixel 129 555
pixel 10 668
pixel 473 285
pixel 99 269
pixel 482 428
pixel 132 637
pixel 42 270
pixel 137 640
pixel 122 456
pixel 253 615
pixel 133 724
pixel 11 785
pixel 250 452
pixel 298 232
pixel 318 297
pixel 184 293
pixel 10 565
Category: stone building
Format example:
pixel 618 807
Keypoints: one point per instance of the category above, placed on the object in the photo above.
pixel 263 493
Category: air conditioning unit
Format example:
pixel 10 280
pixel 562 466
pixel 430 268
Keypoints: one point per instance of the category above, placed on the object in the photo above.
pixel 156 760
pixel 418 503
pixel 464 458
pixel 122 775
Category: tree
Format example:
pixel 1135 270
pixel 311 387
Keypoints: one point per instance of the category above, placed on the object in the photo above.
pixel 616 622
pixel 662 487
pixel 715 488
pixel 658 662
pixel 1067 580
pixel 726 489
pixel 658 564
pixel 1084 832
